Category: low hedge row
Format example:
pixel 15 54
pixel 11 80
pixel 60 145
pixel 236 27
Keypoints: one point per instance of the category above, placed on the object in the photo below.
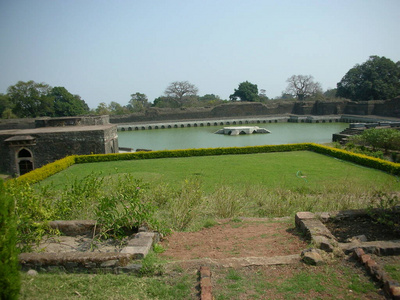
pixel 360 159
pixel 62 164
pixel 188 153
pixel 47 170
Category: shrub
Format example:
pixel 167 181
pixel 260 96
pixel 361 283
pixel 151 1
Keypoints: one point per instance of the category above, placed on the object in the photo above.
pixel 227 203
pixel 361 159
pixel 47 170
pixel 32 213
pixel 9 273
pixel 184 206
pixel 124 210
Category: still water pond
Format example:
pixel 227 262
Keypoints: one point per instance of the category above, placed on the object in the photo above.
pixel 204 137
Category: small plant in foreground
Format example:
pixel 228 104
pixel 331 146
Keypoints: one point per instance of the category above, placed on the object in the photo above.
pixel 123 211
pixel 382 208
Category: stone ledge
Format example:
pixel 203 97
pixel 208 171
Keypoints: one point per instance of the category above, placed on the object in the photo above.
pixel 137 248
pixel 375 247
pixel 310 224
pixel 205 283
pixel 391 287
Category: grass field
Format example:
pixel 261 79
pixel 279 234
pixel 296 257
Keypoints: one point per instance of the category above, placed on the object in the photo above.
pixel 191 193
pixel 286 170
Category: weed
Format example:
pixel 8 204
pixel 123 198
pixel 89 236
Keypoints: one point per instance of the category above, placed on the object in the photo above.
pixel 382 208
pixel 158 248
pixel 151 266
pixel 184 207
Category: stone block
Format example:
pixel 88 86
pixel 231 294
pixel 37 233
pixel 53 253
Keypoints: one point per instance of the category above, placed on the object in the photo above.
pixel 109 263
pixel 301 216
pixel 132 268
pixel 312 257
pixel 137 252
pixel 365 258
pixel 324 243
pixel 358 252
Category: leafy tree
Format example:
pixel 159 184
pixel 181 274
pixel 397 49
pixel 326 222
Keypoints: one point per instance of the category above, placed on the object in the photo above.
pixel 210 99
pixel 376 79
pixel 116 109
pixel 66 104
pixel 181 91
pixel 5 104
pixel 330 93
pixel 31 99
pixel 102 109
pixel 246 91
pixel 303 87
pixel 138 102
pixel 165 102
pixel 386 138
pixel 263 95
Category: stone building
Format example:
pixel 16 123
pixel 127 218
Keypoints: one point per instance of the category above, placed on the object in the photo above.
pixel 22 150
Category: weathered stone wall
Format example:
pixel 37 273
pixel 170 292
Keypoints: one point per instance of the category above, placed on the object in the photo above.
pixel 389 108
pixel 58 143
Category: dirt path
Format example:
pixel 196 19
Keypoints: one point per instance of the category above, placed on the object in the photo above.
pixel 250 237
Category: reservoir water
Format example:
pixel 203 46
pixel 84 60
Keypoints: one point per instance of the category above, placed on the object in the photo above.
pixel 204 137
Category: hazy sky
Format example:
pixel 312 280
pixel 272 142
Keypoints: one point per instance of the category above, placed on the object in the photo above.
pixel 107 50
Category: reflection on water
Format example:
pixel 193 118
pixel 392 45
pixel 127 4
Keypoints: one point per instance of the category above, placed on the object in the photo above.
pixel 204 137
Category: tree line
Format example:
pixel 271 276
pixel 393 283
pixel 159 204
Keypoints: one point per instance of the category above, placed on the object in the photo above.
pixel 376 79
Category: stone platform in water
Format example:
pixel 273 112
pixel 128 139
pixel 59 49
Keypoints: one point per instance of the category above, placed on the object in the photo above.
pixel 242 130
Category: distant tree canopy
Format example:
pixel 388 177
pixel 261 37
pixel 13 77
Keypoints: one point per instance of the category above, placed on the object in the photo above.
pixel 31 99
pixel 376 79
pixel 246 91
pixel 138 102
pixel 303 87
pixel 66 104
pixel 181 91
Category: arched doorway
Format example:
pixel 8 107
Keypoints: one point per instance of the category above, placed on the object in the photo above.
pixel 25 161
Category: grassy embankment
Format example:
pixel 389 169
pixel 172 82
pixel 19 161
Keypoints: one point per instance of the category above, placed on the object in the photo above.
pixel 273 184
pixel 261 185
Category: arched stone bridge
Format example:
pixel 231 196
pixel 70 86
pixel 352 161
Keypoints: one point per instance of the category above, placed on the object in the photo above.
pixel 223 122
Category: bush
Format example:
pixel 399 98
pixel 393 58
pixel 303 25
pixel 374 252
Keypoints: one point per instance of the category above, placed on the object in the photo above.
pixel 9 273
pixel 32 214
pixel 47 170
pixel 361 159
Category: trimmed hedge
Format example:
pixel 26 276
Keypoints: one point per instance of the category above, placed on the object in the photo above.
pixel 47 170
pixel 62 164
pixel 9 268
pixel 189 152
pixel 360 159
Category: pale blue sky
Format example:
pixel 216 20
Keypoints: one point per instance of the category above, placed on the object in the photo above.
pixel 106 50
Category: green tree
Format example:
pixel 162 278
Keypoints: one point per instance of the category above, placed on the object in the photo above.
pixel 209 100
pixel 116 108
pixel 138 102
pixel 5 106
pixel 31 99
pixel 166 102
pixel 303 87
pixel 246 91
pixel 330 93
pixel 66 104
pixel 181 91
pixel 102 109
pixel 376 79
pixel 386 138
pixel 263 95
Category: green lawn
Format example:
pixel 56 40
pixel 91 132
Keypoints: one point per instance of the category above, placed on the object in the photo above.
pixel 287 170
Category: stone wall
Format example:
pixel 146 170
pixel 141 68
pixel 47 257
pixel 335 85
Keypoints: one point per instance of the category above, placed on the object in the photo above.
pixel 389 108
